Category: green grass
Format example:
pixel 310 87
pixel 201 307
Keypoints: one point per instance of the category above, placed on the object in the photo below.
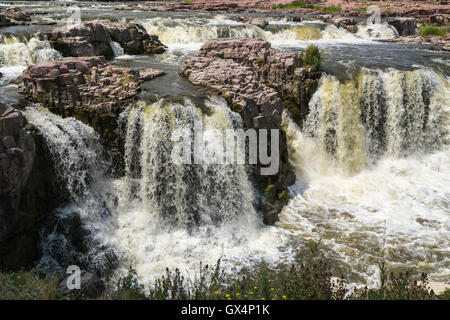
pixel 295 4
pixel 306 5
pixel 432 31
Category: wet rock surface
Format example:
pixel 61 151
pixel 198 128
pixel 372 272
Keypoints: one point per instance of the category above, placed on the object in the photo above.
pixel 86 88
pixel 25 188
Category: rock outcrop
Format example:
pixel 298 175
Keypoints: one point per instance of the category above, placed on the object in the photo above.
pixel 25 188
pixel 86 88
pixel 94 39
pixel 91 287
pixel 257 81
pixel 404 26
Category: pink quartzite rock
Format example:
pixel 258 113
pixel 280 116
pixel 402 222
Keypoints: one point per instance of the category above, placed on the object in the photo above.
pixel 88 83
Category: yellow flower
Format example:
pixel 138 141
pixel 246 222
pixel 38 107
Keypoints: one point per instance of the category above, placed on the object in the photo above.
pixel 272 289
pixel 251 292
pixel 275 296
pixel 213 282
pixel 284 297
pixel 237 294
pixel 255 287
pixel 227 295
pixel 229 298
pixel 216 292
pixel 263 298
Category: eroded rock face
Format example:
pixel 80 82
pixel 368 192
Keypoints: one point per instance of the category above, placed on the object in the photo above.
pixel 79 83
pixel 94 38
pixel 86 88
pixel 258 82
pixel 14 16
pixel 25 184
pixel 85 40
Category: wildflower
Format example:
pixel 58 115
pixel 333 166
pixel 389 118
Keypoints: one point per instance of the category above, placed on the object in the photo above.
pixel 284 297
pixel 237 294
pixel 272 289
pixel 213 282
pixel 227 295
pixel 263 298
pixel 255 287
pixel 229 298
pixel 216 292
pixel 251 292
pixel 275 296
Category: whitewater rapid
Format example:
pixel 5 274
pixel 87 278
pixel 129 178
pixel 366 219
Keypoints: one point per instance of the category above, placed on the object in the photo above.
pixel 367 198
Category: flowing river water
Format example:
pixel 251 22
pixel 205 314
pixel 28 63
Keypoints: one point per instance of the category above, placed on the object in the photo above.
pixel 372 158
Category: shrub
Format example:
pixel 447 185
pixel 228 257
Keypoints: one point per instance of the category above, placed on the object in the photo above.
pixel 331 9
pixel 432 31
pixel 312 58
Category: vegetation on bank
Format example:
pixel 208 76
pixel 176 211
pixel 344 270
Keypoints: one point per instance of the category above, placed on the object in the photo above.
pixel 306 5
pixel 311 281
pixel 432 31
pixel 312 58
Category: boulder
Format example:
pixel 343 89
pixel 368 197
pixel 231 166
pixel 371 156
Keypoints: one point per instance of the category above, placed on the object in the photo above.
pixel 94 38
pixel 84 40
pixel 404 26
pixel 91 287
pixel 17 15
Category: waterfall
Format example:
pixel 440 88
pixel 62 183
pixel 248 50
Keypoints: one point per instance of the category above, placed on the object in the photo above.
pixel 81 168
pixel 373 164
pixel 16 51
pixel 159 214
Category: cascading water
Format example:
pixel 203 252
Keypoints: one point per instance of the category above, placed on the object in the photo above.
pixel 372 161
